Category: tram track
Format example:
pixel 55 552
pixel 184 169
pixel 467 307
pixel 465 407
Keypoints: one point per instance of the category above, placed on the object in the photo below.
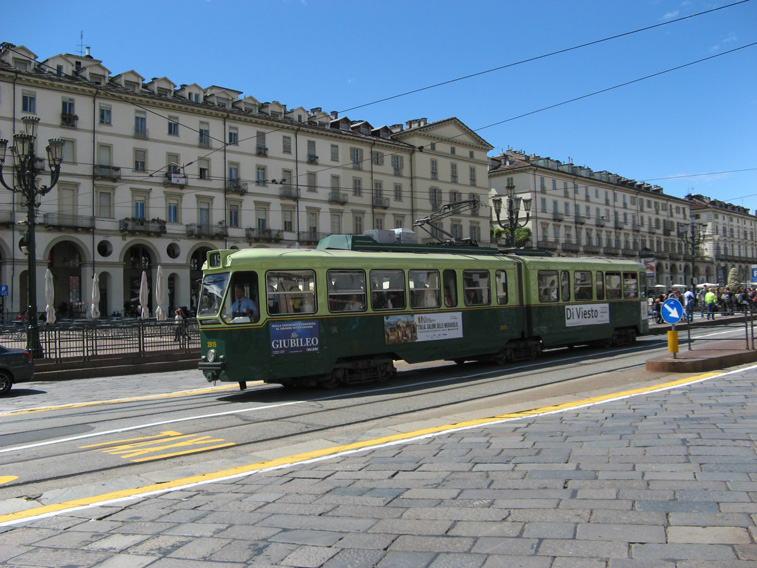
pixel 308 423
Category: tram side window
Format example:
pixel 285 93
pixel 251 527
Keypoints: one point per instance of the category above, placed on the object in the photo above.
pixel 424 288
pixel 476 284
pixel 242 298
pixel 613 285
pixel 387 289
pixel 600 286
pixel 547 283
pixel 582 285
pixel 643 284
pixel 630 286
pixel 450 288
pixel 291 292
pixel 565 286
pixel 346 290
pixel 501 284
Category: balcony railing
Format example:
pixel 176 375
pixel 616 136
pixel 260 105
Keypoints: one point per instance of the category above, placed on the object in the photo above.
pixel 207 231
pixel 312 159
pixel 571 247
pixel 547 245
pixel 261 150
pixel 339 197
pixel 592 249
pixel 137 225
pixel 175 178
pixel 611 251
pixel 288 191
pixel 236 186
pixel 629 253
pixel 107 172
pixel 310 236
pixel 7 217
pixel 580 220
pixel 599 222
pixel 62 220
pixel 558 216
pixel 262 235
pixel 68 119
pixel 382 202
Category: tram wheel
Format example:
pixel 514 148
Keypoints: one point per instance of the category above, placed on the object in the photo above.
pixel 502 357
pixel 332 381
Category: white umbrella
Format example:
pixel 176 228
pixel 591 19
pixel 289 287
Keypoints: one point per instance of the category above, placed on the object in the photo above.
pixel 95 308
pixel 160 312
pixel 49 297
pixel 144 295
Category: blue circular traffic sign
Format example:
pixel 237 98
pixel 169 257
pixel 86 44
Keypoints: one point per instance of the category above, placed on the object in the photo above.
pixel 672 311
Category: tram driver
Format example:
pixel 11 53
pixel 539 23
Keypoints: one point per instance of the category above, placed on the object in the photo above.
pixel 242 305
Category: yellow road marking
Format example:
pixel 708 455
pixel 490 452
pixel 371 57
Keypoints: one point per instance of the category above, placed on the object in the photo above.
pixel 120 400
pixel 306 457
pixel 137 447
pixel 8 478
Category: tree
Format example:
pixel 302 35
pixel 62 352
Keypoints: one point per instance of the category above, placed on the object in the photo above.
pixel 734 281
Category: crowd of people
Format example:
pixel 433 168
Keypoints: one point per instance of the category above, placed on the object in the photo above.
pixel 707 300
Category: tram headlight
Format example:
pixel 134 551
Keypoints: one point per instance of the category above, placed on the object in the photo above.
pixel 211 355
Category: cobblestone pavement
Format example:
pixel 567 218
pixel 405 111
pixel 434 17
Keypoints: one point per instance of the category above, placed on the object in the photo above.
pixel 657 480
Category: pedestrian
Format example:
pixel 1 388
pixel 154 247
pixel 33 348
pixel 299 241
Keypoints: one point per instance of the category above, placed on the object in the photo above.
pixel 181 325
pixel 690 301
pixel 710 299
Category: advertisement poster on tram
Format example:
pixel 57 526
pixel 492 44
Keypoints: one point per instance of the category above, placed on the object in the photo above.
pixel 423 327
pixel 289 337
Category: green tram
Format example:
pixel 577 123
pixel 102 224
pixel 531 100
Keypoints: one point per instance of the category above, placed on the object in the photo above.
pixel 344 312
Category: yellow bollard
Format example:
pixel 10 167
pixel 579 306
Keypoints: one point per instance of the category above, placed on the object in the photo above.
pixel 673 341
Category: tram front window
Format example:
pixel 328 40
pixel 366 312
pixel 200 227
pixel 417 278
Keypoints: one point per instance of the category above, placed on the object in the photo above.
pixel 211 294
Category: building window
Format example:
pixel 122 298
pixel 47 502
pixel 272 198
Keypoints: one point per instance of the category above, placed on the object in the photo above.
pixel 173 126
pixel 357 223
pixel 234 215
pixel 172 211
pixel 69 151
pixel 357 158
pixel 311 181
pixel 287 145
pixel 105 203
pixel 398 163
pixel 233 170
pixel 140 160
pixel 452 150
pixel 378 158
pixel 472 173
pixel 398 192
pixel 172 161
pixel 204 135
pixel 29 102
pixel 233 135
pixel 357 187
pixel 106 115
pixel 260 175
pixel 434 169
pixel 204 168
pixel 336 223
pixel 287 216
pixel 140 124
pixel 334 153
pixel 139 208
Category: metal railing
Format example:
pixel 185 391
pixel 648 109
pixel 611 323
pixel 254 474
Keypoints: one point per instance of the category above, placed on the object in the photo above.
pixel 88 339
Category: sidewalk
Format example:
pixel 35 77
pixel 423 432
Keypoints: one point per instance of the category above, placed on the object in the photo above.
pixel 656 479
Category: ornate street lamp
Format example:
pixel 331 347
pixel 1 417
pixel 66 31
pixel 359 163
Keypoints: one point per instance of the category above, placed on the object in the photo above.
pixel 513 213
pixel 26 168
pixel 693 236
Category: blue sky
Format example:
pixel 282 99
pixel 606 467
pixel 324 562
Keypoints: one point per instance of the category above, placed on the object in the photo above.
pixel 690 131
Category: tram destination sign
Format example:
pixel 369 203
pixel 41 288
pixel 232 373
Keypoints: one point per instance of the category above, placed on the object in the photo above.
pixel 589 314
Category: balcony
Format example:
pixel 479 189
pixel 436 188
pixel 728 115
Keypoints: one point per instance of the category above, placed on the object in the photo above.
pixel 140 132
pixel 261 150
pixel 310 237
pixel 592 249
pixel 339 197
pixel 547 245
pixel 7 217
pixel 112 173
pixel 262 235
pixel 204 140
pixel 312 159
pixel 63 221
pixel 630 253
pixel 140 225
pixel 175 179
pixel 600 222
pixel 558 216
pixel 611 251
pixel 635 227
pixel 620 224
pixel 69 120
pixel 288 191
pixel 676 256
pixel 381 202
pixel 571 247
pixel 236 186
pixel 580 220
pixel 207 231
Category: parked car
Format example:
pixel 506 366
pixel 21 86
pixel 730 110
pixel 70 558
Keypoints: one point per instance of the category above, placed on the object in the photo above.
pixel 16 366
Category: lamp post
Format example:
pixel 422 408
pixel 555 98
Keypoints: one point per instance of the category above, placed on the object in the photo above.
pixel 25 166
pixel 513 212
pixel 693 236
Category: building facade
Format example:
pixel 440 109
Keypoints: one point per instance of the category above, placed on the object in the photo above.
pixel 578 211
pixel 156 173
